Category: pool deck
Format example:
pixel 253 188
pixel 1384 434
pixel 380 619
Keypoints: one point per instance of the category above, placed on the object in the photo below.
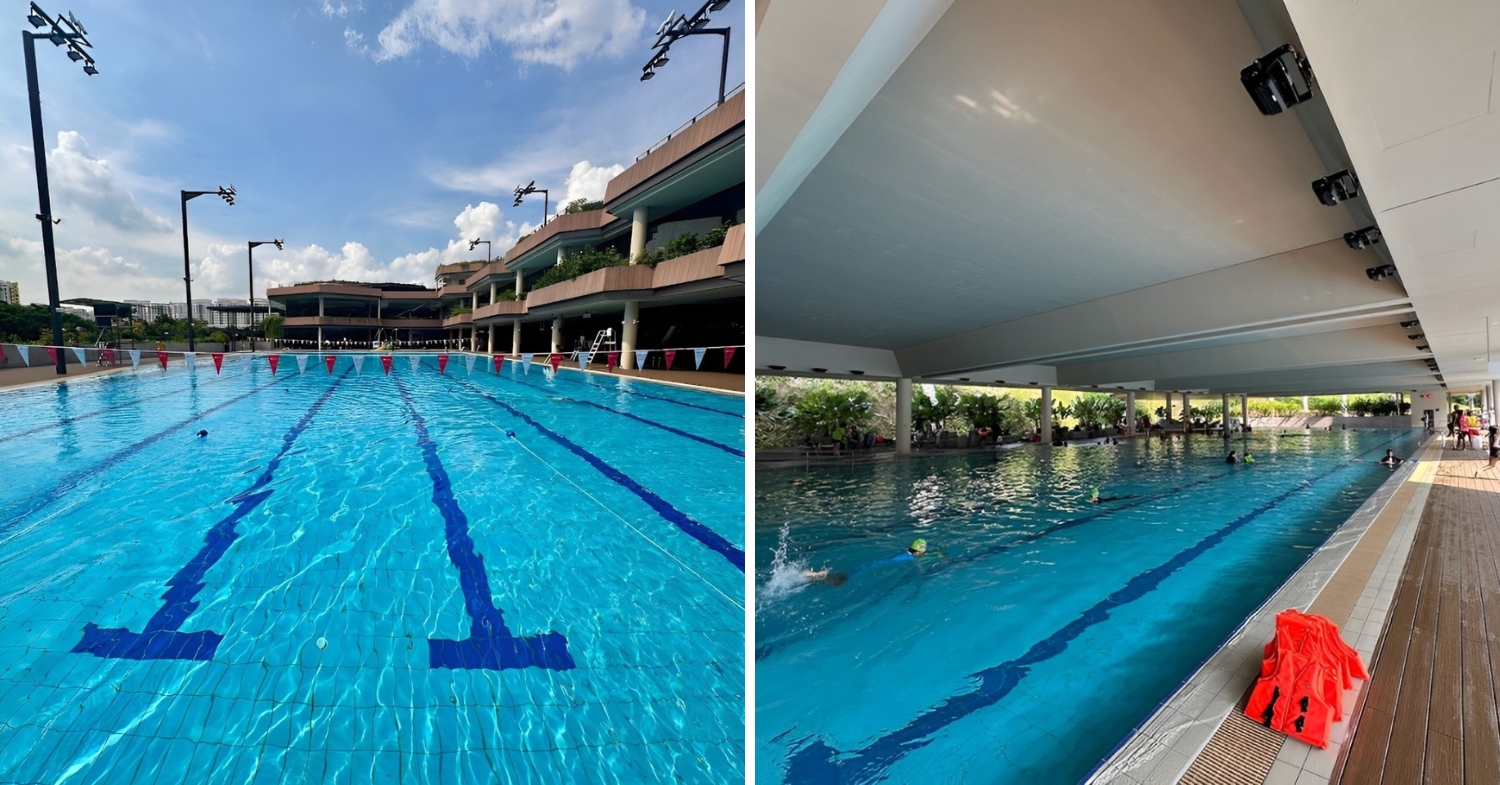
pixel 22 376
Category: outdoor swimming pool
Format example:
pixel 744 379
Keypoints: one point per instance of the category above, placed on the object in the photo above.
pixel 358 577
pixel 1052 627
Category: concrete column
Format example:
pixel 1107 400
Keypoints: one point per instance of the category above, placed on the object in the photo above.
pixel 1169 407
pixel 492 292
pixel 1130 413
pixel 903 415
pixel 627 334
pixel 1224 415
pixel 638 232
pixel 320 305
pixel 1046 415
pixel 1344 405
pixel 557 333
pixel 1244 410
pixel 520 284
pixel 515 337
pixel 489 343
pixel 1187 409
pixel 475 305
pixel 560 254
pixel 320 333
pixel 1304 403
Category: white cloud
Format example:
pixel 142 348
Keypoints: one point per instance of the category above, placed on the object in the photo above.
pixel 587 181
pixel 330 11
pixel 562 33
pixel 479 222
pixel 355 40
pixel 89 184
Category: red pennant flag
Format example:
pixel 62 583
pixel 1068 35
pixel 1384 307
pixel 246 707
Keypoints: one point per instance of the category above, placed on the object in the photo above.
pixel 329 360
pixel 218 362
pixel 728 355
pixel 442 363
pixel 109 356
pixel 555 360
pixel 613 359
pixel 52 355
pixel 385 362
pixel 161 357
pixel 274 358
pixel 671 353
pixel 498 362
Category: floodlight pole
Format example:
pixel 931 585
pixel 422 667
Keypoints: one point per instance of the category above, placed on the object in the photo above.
pixel 724 64
pixel 44 197
pixel 250 254
pixel 187 267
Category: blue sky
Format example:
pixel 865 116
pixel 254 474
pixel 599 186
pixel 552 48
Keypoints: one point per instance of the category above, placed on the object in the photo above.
pixel 374 136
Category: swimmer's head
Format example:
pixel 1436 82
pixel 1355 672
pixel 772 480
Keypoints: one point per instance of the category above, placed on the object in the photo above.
pixel 918 546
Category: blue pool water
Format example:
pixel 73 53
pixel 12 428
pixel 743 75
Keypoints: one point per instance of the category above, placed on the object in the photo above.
pixel 360 577
pixel 1051 626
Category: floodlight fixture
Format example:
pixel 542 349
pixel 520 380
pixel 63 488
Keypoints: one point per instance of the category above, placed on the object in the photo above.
pixel 91 70
pixel 1381 273
pixel 530 188
pixel 676 27
pixel 1335 188
pixel 1410 324
pixel 476 242
pixel 75 55
pixel 1278 81
pixel 1361 238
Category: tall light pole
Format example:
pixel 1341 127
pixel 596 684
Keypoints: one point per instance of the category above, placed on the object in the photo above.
pixel 682 27
pixel 250 252
pixel 474 243
pixel 227 194
pixel 73 37
pixel 523 190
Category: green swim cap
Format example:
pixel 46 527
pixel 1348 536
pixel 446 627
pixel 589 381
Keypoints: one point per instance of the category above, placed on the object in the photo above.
pixel 918 545
pixel 1093 491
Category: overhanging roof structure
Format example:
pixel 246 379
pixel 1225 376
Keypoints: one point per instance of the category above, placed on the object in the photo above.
pixel 1083 194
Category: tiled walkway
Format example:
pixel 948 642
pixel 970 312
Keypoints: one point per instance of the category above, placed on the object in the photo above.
pixel 1430 712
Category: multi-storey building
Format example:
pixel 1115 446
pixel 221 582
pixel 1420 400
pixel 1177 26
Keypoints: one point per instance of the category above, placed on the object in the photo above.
pixel 655 297
pixel 10 292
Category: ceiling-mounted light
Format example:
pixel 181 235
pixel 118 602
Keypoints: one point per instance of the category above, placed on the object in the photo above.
pixel 1380 273
pixel 1410 324
pixel 1336 188
pixel 1278 81
pixel 820 370
pixel 858 373
pixel 1359 238
pixel 1416 337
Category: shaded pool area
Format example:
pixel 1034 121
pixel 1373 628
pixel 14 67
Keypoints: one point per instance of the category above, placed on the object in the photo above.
pixel 1049 627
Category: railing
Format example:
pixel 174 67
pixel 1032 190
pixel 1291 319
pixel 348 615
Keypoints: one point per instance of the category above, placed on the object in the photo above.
pixel 699 116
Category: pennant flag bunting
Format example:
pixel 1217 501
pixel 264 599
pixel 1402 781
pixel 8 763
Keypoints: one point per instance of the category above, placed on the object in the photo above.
pixel 698 357
pixel 416 362
pixel 2 355
pixel 671 355
pixel 161 357
pixel 583 361
pixel 191 358
pixel 526 363
pixel 51 354
pixel 728 355
pixel 498 362
pixel 135 358
pixel 109 355
pixel 385 362
pixel 554 360
pixel 469 363
pixel 21 352
pixel 359 363
pixel 301 363
pixel 442 363
pixel 640 358
pixel 329 360
pixel 78 351
pixel 274 360
pixel 218 362
pixel 611 360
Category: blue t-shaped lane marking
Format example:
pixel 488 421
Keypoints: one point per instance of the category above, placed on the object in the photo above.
pixel 162 638
pixel 820 763
pixel 690 527
pixel 490 644
pixel 654 424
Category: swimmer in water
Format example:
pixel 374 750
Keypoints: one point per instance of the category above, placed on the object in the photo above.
pixel 1230 458
pixel 1390 459
pixel 1095 498
pixel 1248 460
pixel 202 434
pixel 917 549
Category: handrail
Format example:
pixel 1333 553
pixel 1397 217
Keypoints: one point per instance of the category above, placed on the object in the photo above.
pixel 699 116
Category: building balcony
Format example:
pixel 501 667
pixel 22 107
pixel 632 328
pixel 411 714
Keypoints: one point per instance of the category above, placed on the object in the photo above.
pixel 458 320
pixel 505 309
pixel 680 145
pixel 609 280
pixel 358 321
pixel 453 291
pixel 698 266
pixel 590 222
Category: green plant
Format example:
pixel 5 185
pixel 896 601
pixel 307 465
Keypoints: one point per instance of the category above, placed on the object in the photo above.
pixel 1032 411
pixel 1094 410
pixel 831 410
pixel 683 245
pixel 506 296
pixel 582 206
pixel 582 263
pixel 944 405
pixel 1327 405
pixel 217 336
pixel 460 309
pixel 272 326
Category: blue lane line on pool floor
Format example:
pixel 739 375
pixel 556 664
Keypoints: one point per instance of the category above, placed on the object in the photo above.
pixel 654 424
pixel 621 388
pixel 161 638
pixel 105 410
pixel 816 762
pixel 708 537
pixel 490 645
pixel 10 517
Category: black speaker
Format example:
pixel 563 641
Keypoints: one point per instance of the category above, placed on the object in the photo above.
pixel 1278 81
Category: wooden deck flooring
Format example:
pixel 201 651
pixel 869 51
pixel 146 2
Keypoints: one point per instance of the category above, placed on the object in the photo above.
pixel 1429 715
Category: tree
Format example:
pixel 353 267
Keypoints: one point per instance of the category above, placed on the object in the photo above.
pixel 833 411
pixel 272 326
pixel 926 411
pixel 582 206
pixel 585 261
pixel 1032 410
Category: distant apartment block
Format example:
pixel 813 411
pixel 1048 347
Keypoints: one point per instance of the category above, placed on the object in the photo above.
pixel 10 292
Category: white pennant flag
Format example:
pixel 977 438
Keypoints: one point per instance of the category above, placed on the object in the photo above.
pixel 583 360
pixel 359 362
pixel 640 358
pixel 82 360
pixel 21 352
pixel 192 360
pixel 416 362
pixel 526 363
pixel 469 361
pixel 135 358
pixel 698 358
pixel 301 363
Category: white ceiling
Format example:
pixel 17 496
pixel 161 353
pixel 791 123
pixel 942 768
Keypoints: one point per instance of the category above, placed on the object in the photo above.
pixel 1059 184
